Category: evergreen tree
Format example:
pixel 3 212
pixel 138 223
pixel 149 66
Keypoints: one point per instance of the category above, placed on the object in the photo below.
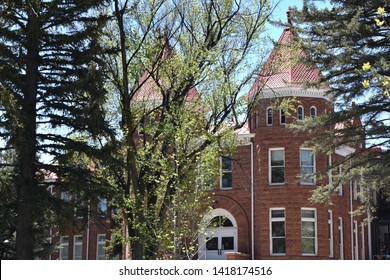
pixel 349 41
pixel 51 95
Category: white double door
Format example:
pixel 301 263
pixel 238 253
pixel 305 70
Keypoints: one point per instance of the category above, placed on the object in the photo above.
pixel 218 242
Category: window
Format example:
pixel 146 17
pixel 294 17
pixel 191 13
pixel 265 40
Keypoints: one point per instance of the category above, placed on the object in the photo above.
pixel 226 176
pixel 355 190
pixel 77 247
pixel 141 127
pixel 65 196
pixel 256 119
pixel 340 187
pixel 114 211
pixel 307 164
pixel 313 111
pixel 276 166
pixel 102 207
pixel 282 118
pixel 355 241
pixel 64 247
pixel 220 221
pixel 278 231
pixel 269 116
pixel 300 113
pixel 330 232
pixel 100 247
pixel 330 173
pixel 309 232
pixel 341 239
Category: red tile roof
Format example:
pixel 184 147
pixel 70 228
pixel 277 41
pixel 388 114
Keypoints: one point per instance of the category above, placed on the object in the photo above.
pixel 283 67
pixel 149 90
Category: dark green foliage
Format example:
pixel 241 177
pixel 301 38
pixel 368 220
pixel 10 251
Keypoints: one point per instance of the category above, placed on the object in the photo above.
pixel 341 39
pixel 51 84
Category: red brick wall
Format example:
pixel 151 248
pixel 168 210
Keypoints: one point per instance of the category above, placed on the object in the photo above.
pixel 292 195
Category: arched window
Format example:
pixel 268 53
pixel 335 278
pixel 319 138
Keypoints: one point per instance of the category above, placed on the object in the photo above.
pixel 313 111
pixel 220 221
pixel 282 117
pixel 300 113
pixel 269 116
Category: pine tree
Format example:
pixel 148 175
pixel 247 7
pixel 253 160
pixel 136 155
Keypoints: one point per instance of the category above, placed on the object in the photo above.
pixel 350 43
pixel 51 95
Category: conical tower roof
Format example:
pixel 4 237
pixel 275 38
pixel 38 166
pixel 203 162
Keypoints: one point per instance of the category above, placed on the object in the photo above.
pixel 285 74
pixel 149 89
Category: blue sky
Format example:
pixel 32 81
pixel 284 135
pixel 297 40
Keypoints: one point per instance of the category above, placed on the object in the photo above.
pixel 280 14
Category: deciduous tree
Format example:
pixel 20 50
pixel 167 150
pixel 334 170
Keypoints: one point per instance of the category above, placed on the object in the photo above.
pixel 179 78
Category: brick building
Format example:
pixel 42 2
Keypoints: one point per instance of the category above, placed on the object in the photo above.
pixel 262 199
pixel 265 187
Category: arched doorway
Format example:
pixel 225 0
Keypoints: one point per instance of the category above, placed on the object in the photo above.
pixel 218 235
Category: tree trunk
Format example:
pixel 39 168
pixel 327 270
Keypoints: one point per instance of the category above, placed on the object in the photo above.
pixel 26 141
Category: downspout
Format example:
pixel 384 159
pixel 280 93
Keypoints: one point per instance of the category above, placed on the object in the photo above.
pixel 252 205
pixel 369 227
pixel 51 228
pixel 351 220
pixel 88 233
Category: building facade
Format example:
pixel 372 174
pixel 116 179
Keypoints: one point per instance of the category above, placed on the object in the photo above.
pixel 267 197
pixel 261 202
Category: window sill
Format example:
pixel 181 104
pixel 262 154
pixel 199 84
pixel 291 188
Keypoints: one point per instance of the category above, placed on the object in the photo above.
pixel 309 255
pixel 308 184
pixel 225 189
pixel 276 184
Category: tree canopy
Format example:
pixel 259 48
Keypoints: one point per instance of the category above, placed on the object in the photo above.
pixel 51 96
pixel 350 43
pixel 178 78
pixel 134 101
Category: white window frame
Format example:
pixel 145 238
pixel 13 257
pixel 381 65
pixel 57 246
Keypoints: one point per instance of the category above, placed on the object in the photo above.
pixel 363 237
pixel 330 173
pixel 226 172
pixel 282 114
pixel 355 240
pixel 256 119
pixel 312 220
pixel 271 237
pixel 374 198
pixel 315 111
pixel 355 189
pixel 77 243
pixel 269 115
pixel 314 166
pixel 341 239
pixel 340 187
pixel 100 244
pixel 330 229
pixel 300 116
pixel 64 247
pixel 270 166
